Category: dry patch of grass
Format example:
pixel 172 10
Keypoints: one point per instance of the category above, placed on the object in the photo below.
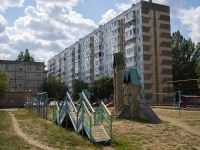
pixel 185 114
pixel 127 134
pixel 8 138
pixel 49 133
pixel 154 136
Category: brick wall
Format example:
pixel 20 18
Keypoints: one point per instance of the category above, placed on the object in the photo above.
pixel 14 99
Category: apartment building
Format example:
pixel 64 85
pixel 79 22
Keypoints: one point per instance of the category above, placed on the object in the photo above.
pixel 25 76
pixel 142 33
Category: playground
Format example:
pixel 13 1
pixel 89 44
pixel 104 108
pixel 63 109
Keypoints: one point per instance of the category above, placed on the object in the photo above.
pixel 175 132
pixel 130 124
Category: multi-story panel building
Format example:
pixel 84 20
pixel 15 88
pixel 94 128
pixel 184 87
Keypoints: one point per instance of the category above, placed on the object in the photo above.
pixel 142 33
pixel 25 76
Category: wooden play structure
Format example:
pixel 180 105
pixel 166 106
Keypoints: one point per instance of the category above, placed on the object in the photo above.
pixel 96 124
pixel 38 105
pixel 129 103
pixel 84 119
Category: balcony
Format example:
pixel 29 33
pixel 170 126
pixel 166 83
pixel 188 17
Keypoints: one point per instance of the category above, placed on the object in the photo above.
pixel 130 27
pixel 131 54
pixel 130 45
pixel 129 19
pixel 114 27
pixel 130 37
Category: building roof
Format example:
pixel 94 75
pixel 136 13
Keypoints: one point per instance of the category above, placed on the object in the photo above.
pixel 190 96
pixel 118 60
pixel 131 76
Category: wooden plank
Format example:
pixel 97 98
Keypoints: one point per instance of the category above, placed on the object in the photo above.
pixel 98 134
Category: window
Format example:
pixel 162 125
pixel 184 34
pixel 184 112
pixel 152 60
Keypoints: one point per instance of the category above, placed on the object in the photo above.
pixel 29 67
pixel 138 13
pixel 139 49
pixel 138 58
pixel 38 67
pixel 29 82
pixel 139 31
pixel 138 21
pixel 139 40
pixel 129 15
pixel 2 65
pixel 38 76
pixel 10 66
pixel 29 75
pixel 140 67
pixel 38 83
pixel 129 50
pixel 11 75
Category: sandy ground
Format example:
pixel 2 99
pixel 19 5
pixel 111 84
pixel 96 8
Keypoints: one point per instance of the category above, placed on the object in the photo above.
pixel 177 122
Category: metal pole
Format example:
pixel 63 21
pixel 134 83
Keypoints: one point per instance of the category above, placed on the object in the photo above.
pixel 179 94
pixel 47 105
pixel 37 105
pixel 174 94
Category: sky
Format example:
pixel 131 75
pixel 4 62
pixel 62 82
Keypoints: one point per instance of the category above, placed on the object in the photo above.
pixel 47 27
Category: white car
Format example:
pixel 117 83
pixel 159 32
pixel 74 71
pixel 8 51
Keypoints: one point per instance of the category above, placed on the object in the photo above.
pixel 52 103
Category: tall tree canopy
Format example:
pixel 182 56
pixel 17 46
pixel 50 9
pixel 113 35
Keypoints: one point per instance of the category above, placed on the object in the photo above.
pixel 3 82
pixel 185 56
pixel 54 87
pixel 102 88
pixel 25 56
pixel 77 87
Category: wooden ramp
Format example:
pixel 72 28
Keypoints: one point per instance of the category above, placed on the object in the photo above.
pixel 149 113
pixel 99 134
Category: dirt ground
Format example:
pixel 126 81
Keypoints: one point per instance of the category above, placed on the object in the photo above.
pixel 26 138
pixel 173 133
pixel 179 123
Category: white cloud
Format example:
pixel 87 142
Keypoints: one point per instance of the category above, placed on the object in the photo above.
pixel 110 14
pixel 121 7
pixel 191 19
pixel 45 30
pixel 5 56
pixel 3 24
pixel 4 4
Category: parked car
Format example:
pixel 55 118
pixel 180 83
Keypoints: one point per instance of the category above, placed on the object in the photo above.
pixel 95 104
pixel 60 103
pixel 52 103
pixel 111 104
pixel 34 104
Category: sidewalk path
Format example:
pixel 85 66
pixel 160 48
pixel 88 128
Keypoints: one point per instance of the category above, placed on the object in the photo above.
pixel 177 122
pixel 26 138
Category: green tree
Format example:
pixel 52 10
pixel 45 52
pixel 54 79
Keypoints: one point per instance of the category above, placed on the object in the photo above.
pixel 25 56
pixel 185 56
pixel 3 82
pixel 102 88
pixel 54 87
pixel 77 87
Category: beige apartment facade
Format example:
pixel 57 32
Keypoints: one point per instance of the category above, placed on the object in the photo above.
pixel 25 76
pixel 142 33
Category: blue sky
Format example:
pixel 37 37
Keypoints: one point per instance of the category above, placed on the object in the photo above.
pixel 48 27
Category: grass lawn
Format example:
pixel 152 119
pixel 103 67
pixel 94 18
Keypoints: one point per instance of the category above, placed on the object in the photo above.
pixel 127 134
pixel 8 139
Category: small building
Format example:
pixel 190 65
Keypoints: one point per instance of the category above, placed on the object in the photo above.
pixel 25 75
pixel 127 97
pixel 14 99
pixel 190 101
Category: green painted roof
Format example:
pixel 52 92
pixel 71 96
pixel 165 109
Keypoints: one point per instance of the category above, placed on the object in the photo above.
pixel 131 76
pixel 87 93
pixel 118 60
